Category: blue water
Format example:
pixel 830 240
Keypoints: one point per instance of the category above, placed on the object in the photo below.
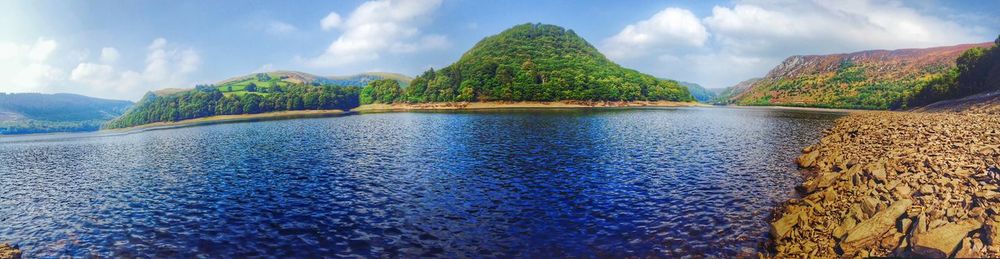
pixel 555 183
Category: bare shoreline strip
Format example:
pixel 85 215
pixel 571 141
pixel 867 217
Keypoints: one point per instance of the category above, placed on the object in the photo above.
pixel 231 118
pixel 516 105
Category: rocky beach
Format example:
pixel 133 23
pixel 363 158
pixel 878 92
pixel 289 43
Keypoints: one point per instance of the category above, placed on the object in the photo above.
pixel 898 184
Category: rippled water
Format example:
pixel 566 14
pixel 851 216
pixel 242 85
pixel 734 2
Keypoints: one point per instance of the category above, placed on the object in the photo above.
pixel 616 182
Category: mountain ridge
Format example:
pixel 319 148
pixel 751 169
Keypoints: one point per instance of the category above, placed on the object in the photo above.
pixel 870 79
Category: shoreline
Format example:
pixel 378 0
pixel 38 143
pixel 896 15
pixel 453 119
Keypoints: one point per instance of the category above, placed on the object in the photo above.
pixel 379 107
pixel 884 183
pixel 218 119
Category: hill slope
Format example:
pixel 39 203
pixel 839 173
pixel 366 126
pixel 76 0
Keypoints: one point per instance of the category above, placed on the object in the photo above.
pixel 875 79
pixel 43 113
pixel 698 92
pixel 536 62
pixel 730 94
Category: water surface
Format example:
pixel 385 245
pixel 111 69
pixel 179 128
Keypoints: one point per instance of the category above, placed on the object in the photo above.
pixel 521 183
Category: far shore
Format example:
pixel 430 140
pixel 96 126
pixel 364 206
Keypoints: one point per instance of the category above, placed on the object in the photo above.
pixel 379 107
pixel 233 118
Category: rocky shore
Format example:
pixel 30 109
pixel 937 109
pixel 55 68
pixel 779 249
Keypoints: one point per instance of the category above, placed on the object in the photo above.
pixel 9 252
pixel 897 184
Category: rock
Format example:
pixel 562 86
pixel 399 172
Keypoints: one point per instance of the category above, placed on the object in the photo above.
pixel 877 170
pixel 808 159
pixel 943 241
pixel 781 227
pixel 903 190
pixel 927 189
pixel 992 232
pixel 9 252
pixel 869 206
pixel 872 229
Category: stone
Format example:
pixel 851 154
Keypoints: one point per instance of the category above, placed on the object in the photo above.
pixel 992 232
pixel 869 206
pixel 872 229
pixel 903 190
pixel 877 170
pixel 926 189
pixel 781 227
pixel 943 241
pixel 9 252
pixel 808 160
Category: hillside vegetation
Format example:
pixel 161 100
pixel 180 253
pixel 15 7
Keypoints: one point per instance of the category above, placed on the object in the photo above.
pixel 698 92
pixel 877 79
pixel 977 70
pixel 206 101
pixel 42 113
pixel 732 93
pixel 252 94
pixel 532 62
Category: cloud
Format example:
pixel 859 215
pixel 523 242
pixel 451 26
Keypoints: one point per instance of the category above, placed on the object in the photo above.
pixel 671 27
pixel 378 27
pixel 749 38
pixel 329 22
pixel 109 55
pixel 279 27
pixel 25 67
pixel 41 66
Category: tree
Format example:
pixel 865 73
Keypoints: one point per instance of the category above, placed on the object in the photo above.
pixel 251 87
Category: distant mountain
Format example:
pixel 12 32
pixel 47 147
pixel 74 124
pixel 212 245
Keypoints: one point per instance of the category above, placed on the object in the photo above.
pixel 43 113
pixel 874 79
pixel 730 94
pixel 698 92
pixel 532 62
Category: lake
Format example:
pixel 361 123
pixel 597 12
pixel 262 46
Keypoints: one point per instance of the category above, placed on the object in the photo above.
pixel 659 182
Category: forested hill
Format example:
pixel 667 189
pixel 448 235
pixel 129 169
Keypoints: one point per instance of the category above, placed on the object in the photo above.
pixel 43 113
pixel 533 62
pixel 251 94
pixel 701 94
pixel 875 79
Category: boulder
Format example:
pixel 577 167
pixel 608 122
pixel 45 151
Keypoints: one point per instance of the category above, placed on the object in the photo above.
pixel 944 240
pixel 9 252
pixel 873 228
pixel 782 226
pixel 808 159
pixel 877 171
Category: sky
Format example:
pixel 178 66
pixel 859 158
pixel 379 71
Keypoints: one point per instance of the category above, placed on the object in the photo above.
pixel 123 49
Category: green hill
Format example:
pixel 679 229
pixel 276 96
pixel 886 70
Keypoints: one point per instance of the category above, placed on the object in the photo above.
pixel 534 62
pixel 252 94
pixel 42 113
pixel 698 92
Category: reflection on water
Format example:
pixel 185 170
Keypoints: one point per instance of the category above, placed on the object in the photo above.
pixel 612 182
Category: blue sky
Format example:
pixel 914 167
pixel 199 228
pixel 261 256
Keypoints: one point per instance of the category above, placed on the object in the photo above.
pixel 121 49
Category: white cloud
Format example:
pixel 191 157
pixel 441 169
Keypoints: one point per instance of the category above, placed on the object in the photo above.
pixel 750 37
pixel 672 27
pixel 329 22
pixel 41 66
pixel 381 26
pixel 279 27
pixel 109 55
pixel 25 67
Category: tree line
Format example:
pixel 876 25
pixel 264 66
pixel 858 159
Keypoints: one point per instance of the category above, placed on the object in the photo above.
pixel 977 70
pixel 207 100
